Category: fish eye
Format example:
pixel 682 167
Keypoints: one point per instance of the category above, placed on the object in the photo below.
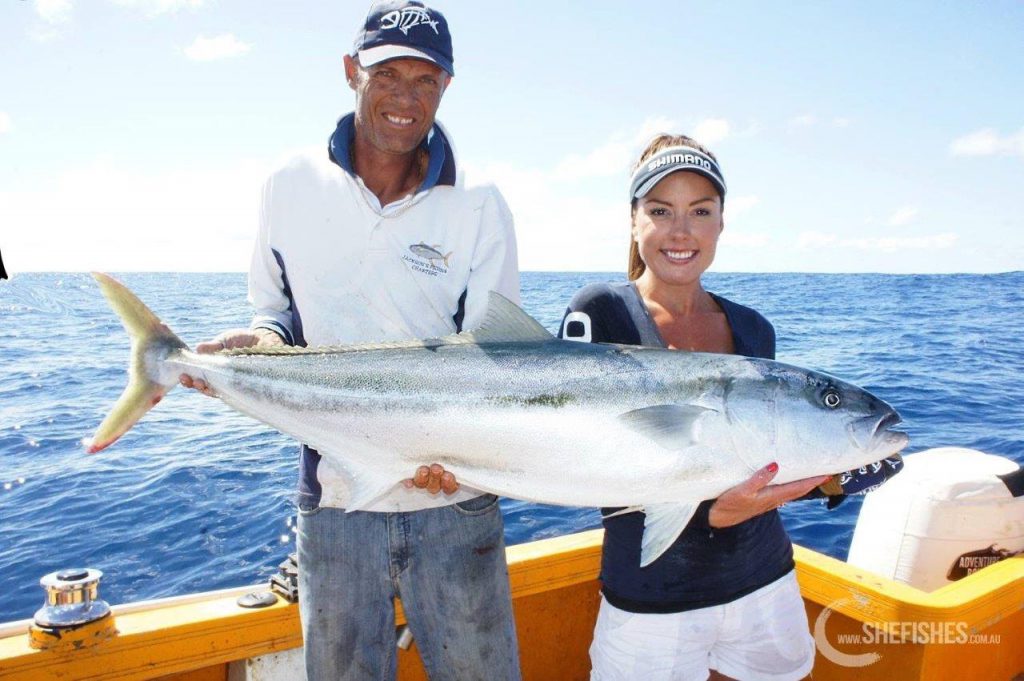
pixel 831 398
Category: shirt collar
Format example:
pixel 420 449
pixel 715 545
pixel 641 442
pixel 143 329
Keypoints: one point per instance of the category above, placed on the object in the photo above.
pixel 440 167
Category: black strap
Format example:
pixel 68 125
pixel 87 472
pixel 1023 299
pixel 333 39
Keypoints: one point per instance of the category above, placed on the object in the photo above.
pixel 1014 482
pixel 460 313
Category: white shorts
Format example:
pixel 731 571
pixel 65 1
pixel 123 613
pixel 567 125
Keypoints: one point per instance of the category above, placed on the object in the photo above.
pixel 761 636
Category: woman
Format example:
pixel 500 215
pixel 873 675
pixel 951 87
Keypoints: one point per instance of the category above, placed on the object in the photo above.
pixel 723 600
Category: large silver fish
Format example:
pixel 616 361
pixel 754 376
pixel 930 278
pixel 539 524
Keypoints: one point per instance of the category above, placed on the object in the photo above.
pixel 511 410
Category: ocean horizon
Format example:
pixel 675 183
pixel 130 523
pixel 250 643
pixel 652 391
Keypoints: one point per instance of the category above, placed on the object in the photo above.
pixel 197 497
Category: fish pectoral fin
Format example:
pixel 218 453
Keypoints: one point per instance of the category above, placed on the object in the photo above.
pixel 365 487
pixel 673 426
pixel 621 511
pixel 662 526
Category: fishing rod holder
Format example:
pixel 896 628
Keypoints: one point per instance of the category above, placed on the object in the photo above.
pixel 71 599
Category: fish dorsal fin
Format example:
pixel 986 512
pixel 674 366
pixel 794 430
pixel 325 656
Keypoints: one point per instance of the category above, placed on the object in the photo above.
pixel 504 322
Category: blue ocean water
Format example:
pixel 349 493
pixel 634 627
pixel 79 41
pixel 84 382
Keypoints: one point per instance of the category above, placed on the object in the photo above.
pixel 197 497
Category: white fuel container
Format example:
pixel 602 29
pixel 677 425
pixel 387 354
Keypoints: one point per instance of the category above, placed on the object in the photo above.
pixel 948 514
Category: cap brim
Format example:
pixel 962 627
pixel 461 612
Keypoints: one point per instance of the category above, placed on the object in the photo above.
pixel 383 53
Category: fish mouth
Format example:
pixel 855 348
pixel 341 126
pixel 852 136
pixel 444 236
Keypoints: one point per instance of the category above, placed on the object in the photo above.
pixel 887 421
pixel 895 440
pixel 873 434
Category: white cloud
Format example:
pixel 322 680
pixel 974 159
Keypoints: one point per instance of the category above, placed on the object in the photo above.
pixel 902 216
pixel 820 240
pixel 803 121
pixel 221 47
pixel 711 131
pixel 812 240
pixel 154 7
pixel 614 157
pixel 987 142
pixel 810 120
pixel 5 122
pixel 931 242
pixel 731 238
pixel 43 34
pixel 737 205
pixel 169 220
pixel 54 11
pixel 978 143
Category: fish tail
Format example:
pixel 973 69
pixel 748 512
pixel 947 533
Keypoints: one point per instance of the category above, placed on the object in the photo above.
pixel 446 258
pixel 151 342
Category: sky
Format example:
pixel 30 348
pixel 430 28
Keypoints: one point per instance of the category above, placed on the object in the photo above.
pixel 854 137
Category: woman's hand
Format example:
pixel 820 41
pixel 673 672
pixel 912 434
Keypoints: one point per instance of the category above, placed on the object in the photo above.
pixel 755 496
pixel 433 479
pixel 229 340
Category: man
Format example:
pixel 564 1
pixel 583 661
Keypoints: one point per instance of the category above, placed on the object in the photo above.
pixel 382 241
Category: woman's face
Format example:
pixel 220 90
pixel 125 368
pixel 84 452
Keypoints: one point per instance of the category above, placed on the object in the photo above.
pixel 676 228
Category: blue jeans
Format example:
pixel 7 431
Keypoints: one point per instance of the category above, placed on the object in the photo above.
pixel 446 564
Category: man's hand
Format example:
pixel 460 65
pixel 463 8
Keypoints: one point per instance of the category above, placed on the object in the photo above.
pixel 433 479
pixel 229 340
pixel 755 496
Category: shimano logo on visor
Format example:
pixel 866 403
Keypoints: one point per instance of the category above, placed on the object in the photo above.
pixel 685 159
pixel 671 160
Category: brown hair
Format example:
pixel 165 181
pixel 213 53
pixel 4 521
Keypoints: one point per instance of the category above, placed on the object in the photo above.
pixel 636 266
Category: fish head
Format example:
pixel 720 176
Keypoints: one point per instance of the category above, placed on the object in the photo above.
pixel 818 424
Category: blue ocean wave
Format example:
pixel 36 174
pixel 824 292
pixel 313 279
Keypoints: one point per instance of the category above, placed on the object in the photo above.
pixel 198 497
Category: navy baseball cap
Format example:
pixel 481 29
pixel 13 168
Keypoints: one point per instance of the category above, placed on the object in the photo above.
pixel 404 28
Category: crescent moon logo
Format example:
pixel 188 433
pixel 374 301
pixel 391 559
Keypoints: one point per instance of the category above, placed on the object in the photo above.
pixel 829 651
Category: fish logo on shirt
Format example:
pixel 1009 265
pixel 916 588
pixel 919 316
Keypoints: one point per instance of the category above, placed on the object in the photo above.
pixel 430 253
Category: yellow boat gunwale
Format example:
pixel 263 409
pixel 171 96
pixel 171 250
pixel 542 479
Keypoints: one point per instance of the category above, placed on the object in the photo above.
pixel 978 600
pixel 173 638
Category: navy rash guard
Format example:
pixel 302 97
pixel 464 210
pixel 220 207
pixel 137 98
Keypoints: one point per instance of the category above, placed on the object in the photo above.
pixel 706 566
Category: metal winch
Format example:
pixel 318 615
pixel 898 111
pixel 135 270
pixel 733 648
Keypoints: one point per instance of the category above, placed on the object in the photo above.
pixel 71 598
pixel 72 605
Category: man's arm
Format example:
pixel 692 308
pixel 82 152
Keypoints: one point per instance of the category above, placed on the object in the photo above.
pixel 267 285
pixel 495 264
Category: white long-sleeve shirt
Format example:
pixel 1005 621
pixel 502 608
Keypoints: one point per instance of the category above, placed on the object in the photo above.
pixel 333 266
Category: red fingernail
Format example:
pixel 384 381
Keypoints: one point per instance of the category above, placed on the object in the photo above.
pixel 772 467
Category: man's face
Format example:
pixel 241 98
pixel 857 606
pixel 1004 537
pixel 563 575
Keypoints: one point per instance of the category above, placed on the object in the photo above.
pixel 395 102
